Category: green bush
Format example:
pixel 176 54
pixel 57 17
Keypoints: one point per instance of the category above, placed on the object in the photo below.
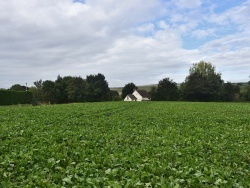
pixel 117 98
pixel 8 97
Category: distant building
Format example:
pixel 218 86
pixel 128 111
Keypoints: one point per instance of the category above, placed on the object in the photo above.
pixel 138 95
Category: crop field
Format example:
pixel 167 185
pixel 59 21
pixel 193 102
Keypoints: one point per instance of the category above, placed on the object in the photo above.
pixel 125 144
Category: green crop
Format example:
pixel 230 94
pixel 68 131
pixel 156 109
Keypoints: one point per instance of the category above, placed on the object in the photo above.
pixel 126 144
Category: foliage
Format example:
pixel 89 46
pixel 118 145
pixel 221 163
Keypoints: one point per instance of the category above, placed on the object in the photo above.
pixel 38 84
pixel 167 90
pixel 117 98
pixel 246 93
pixel 128 89
pixel 37 90
pixel 49 92
pixel 153 92
pixel 98 89
pixel 77 90
pixel 9 97
pixel 72 89
pixel 62 84
pixel 202 84
pixel 18 87
pixel 117 144
pixel 115 95
pixel 230 92
pixel 202 68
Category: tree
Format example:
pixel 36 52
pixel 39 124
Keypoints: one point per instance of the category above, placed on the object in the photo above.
pixel 246 92
pixel 37 91
pixel 229 91
pixel 128 89
pixel 39 84
pixel 152 93
pixel 61 84
pixel 49 92
pixel 77 89
pixel 202 84
pixel 115 95
pixel 167 90
pixel 18 87
pixel 98 89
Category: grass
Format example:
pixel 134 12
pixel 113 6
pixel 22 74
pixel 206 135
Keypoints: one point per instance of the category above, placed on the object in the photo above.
pixel 126 144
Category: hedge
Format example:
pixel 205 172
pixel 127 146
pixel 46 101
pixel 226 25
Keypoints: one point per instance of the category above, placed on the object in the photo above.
pixel 9 97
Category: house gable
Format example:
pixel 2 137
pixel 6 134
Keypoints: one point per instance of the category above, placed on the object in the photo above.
pixel 141 95
pixel 130 97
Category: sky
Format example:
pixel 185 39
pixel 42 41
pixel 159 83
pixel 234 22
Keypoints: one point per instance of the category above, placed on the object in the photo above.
pixel 139 41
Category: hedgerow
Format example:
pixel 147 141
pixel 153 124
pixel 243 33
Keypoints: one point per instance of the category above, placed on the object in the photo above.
pixel 9 97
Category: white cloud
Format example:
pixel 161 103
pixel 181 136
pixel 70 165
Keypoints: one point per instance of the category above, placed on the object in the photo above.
pixel 188 4
pixel 133 40
pixel 201 33
pixel 229 43
pixel 141 57
pixel 236 15
pixel 146 29
pixel 234 65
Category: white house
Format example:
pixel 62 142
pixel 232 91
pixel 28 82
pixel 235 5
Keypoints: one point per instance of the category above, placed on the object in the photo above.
pixel 138 95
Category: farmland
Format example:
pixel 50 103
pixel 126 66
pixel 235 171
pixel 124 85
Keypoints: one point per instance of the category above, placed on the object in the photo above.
pixel 119 144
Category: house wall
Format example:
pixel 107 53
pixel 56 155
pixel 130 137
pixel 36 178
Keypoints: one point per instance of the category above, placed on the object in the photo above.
pixel 137 95
pixel 127 98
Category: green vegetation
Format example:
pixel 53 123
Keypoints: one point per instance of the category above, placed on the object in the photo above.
pixel 141 87
pixel 125 144
pixel 202 84
pixel 128 89
pixel 70 89
pixel 166 90
pixel 9 97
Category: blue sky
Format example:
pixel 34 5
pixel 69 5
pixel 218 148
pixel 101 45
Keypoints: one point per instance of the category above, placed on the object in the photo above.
pixel 128 41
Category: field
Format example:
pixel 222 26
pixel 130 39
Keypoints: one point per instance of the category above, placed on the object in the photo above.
pixel 126 144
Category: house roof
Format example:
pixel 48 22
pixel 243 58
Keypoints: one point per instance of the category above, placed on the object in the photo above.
pixel 143 93
pixel 132 97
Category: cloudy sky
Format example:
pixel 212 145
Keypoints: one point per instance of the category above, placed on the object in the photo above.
pixel 140 41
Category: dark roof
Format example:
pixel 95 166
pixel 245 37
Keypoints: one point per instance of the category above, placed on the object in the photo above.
pixel 143 93
pixel 132 97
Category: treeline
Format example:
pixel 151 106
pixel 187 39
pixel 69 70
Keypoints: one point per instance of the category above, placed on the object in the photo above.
pixel 202 84
pixel 71 89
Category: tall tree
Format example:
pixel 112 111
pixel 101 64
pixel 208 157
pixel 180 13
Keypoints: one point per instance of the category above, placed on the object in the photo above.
pixel 229 91
pixel 203 83
pixel 98 89
pixel 37 90
pixel 246 92
pixel 38 84
pixel 61 84
pixel 167 90
pixel 128 89
pixel 77 89
pixel 18 87
pixel 153 92
pixel 49 91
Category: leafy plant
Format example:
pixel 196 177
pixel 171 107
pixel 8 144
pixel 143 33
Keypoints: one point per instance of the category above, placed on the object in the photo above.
pixel 118 144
